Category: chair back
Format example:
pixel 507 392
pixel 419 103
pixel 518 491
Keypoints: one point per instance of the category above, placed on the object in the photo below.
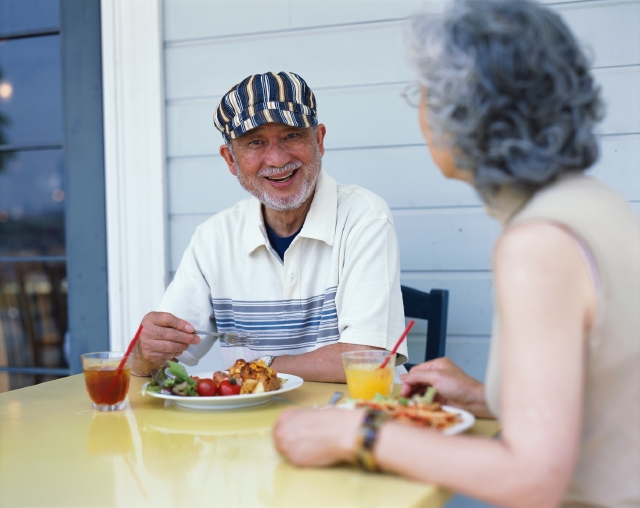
pixel 432 306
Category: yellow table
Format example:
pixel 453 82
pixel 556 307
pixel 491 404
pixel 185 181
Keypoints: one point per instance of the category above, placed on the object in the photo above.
pixel 55 451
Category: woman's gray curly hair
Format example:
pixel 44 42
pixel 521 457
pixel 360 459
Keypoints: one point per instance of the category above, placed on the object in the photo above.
pixel 509 88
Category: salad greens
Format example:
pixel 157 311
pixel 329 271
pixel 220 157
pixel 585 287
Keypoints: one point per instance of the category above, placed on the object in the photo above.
pixel 173 380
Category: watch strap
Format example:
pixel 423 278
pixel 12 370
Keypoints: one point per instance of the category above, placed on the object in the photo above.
pixel 367 436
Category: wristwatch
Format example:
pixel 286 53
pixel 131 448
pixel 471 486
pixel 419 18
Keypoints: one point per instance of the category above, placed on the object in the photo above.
pixel 268 360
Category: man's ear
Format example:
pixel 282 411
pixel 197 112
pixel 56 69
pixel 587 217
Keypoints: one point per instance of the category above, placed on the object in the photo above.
pixel 226 154
pixel 321 131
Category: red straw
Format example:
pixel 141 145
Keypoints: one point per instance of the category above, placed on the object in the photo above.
pixel 395 348
pixel 133 343
pixel 124 359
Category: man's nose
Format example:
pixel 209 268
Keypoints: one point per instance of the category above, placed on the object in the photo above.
pixel 276 155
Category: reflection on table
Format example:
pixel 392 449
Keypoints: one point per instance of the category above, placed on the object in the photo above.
pixel 152 455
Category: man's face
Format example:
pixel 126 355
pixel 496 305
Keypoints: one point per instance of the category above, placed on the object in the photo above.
pixel 277 163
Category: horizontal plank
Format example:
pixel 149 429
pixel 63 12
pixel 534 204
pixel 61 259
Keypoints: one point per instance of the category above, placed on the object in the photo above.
pixel 405 177
pixel 470 299
pixel 206 18
pixel 196 19
pixel 369 53
pixel 352 120
pixel 469 353
pixel 215 18
pixel 190 128
pixel 608 29
pixel 618 165
pixel 620 94
pixel 445 239
pixel 202 185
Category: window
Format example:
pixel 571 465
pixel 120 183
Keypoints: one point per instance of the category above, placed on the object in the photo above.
pixel 43 155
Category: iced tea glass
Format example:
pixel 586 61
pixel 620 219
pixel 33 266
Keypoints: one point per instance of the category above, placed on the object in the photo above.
pixel 364 377
pixel 107 386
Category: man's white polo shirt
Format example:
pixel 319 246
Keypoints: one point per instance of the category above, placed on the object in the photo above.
pixel 339 282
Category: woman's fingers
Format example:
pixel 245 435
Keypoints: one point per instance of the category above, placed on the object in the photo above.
pixel 321 437
pixel 453 386
pixel 435 364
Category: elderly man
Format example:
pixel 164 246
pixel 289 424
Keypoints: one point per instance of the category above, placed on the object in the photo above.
pixel 307 266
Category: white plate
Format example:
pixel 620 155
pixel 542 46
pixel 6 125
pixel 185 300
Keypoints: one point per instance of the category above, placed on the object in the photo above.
pixel 230 401
pixel 466 419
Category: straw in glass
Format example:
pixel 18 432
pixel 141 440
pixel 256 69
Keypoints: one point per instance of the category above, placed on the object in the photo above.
pixel 395 348
pixel 124 359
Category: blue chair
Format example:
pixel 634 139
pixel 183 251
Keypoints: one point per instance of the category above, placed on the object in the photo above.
pixel 432 306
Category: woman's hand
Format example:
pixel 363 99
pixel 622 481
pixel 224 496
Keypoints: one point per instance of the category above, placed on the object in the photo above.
pixel 317 437
pixel 453 386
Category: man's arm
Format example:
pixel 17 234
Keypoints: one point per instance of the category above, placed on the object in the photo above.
pixel 323 364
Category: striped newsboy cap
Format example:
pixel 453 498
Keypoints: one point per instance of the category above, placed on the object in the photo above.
pixel 262 98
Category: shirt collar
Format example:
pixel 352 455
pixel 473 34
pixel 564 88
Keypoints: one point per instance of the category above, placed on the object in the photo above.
pixel 320 223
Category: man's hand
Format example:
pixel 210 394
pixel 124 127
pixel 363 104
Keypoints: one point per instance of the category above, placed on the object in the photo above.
pixel 163 338
pixel 453 386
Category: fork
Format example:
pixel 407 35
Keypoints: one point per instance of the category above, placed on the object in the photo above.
pixel 334 398
pixel 332 401
pixel 200 332
pixel 229 339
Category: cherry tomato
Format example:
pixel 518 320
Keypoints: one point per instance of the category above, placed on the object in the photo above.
pixel 207 388
pixel 229 387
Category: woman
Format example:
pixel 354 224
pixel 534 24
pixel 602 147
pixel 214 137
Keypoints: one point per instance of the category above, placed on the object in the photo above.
pixel 508 105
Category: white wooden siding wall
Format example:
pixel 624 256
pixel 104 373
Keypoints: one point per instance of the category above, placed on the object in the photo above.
pixel 351 54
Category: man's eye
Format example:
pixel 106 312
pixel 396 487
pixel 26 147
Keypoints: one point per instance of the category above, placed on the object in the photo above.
pixel 254 142
pixel 293 135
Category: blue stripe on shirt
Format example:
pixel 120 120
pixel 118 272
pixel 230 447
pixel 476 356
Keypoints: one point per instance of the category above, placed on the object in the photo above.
pixel 285 324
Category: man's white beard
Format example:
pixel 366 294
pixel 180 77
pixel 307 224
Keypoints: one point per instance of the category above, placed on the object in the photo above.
pixel 309 174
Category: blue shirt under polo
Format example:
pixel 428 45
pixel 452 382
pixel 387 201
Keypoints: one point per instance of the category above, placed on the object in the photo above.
pixel 280 244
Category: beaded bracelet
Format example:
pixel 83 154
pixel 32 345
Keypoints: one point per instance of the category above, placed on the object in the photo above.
pixel 367 439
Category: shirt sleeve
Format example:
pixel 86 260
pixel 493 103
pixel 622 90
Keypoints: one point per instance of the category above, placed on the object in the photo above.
pixel 188 297
pixel 369 300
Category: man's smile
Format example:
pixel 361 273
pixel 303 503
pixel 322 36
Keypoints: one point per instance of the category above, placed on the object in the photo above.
pixel 282 179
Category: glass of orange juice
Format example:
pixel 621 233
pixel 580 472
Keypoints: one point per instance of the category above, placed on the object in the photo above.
pixel 365 378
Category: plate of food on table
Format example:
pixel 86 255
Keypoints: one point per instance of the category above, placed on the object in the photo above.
pixel 243 384
pixel 418 410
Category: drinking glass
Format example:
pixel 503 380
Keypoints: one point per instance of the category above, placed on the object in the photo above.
pixel 107 386
pixel 364 377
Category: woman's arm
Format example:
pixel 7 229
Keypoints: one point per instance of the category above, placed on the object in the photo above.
pixel 546 303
